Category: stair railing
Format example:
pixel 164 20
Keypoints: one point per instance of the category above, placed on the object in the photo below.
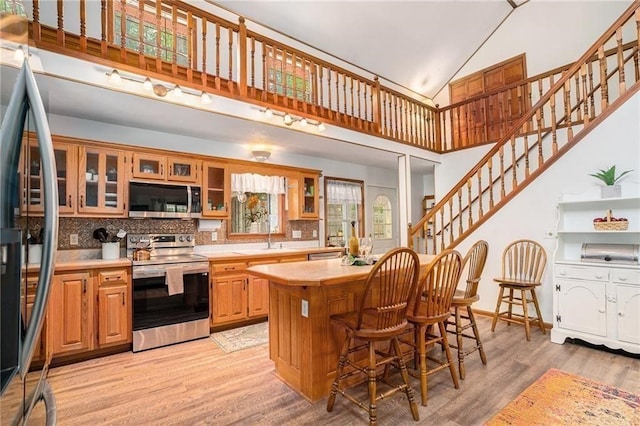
pixel 582 98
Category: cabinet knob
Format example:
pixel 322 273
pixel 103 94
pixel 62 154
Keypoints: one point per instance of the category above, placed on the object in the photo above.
pixel 599 276
pixel 562 272
pixel 602 310
pixel 622 278
pixel 620 314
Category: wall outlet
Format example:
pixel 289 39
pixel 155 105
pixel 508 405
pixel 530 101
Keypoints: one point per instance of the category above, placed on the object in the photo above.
pixel 73 239
pixel 214 236
pixel 315 233
pixel 305 308
pixel 549 234
pixel 296 234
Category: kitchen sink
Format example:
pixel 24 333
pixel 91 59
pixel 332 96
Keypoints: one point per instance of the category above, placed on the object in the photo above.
pixel 266 251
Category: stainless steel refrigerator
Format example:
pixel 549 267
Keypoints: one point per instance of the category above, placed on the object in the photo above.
pixel 21 389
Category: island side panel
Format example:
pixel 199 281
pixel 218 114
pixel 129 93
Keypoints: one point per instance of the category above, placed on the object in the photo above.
pixel 305 349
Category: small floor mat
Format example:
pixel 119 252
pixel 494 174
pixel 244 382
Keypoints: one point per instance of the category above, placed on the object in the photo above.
pixel 242 337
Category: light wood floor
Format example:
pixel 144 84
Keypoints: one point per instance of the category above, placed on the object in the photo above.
pixel 197 383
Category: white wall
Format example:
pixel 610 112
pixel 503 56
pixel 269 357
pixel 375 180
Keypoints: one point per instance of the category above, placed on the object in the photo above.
pixel 533 211
pixel 552 33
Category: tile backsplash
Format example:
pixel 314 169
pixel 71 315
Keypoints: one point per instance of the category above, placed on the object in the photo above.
pixel 84 228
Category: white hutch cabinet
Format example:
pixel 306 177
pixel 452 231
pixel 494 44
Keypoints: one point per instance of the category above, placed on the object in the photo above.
pixel 598 302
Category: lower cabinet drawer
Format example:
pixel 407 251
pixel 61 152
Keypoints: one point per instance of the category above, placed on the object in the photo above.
pixel 582 272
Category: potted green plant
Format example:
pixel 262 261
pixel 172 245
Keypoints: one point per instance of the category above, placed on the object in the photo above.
pixel 608 176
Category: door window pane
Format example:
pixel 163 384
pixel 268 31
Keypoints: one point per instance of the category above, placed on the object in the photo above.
pixel 382 218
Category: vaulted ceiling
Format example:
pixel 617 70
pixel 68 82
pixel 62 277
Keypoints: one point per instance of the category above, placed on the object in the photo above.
pixel 419 45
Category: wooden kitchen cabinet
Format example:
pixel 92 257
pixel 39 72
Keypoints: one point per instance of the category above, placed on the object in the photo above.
pixel 71 313
pixel 303 197
pixel 258 291
pixel 228 298
pixel 31 283
pixel 166 168
pixel 31 184
pixel 236 295
pixel 257 297
pixel 114 308
pixel 101 182
pixel 216 190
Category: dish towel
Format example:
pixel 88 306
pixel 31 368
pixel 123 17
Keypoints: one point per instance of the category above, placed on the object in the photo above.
pixel 173 280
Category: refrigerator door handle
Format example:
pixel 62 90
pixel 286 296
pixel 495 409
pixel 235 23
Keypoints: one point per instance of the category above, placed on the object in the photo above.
pixel 49 182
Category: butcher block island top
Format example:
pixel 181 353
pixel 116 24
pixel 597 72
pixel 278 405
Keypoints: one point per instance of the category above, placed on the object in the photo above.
pixel 302 296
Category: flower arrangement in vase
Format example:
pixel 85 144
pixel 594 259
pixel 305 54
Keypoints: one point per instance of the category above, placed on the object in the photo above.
pixel 256 212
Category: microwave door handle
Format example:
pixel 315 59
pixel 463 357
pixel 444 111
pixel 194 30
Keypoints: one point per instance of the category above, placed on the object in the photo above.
pixel 50 194
pixel 188 198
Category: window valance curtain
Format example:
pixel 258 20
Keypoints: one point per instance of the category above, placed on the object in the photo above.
pixel 344 192
pixel 251 182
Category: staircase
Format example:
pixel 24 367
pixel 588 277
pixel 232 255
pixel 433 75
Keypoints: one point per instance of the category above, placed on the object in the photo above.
pixel 597 84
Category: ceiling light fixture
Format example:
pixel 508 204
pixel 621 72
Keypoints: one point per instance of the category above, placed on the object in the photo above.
pixel 290 119
pixel 114 77
pixel 159 89
pixel 205 98
pixel 261 156
pixel 19 55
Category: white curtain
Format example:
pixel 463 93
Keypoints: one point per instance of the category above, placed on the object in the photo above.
pixel 344 192
pixel 250 182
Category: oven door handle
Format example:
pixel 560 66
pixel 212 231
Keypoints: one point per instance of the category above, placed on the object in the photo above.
pixel 161 272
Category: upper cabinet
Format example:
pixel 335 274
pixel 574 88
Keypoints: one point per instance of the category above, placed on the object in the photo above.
pixel 303 197
pixel 159 167
pixel 216 189
pixel 101 188
pixel 32 199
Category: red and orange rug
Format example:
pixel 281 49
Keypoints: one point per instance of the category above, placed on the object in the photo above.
pixel 559 398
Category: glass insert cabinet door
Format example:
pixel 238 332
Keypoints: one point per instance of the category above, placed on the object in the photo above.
pixel 101 181
pixel 65 157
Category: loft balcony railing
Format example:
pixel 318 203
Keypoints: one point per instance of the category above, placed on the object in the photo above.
pixel 575 103
pixel 178 43
pixel 174 41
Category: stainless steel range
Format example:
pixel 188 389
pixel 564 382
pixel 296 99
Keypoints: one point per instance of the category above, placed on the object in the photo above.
pixel 170 290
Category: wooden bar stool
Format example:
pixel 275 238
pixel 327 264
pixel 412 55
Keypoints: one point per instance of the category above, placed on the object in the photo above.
pixel 432 306
pixel 523 263
pixel 380 317
pixel 473 263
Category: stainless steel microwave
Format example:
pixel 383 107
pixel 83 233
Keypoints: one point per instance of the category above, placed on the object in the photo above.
pixel 164 201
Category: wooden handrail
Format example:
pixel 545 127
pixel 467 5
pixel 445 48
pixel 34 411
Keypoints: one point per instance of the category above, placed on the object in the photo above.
pixel 350 100
pixel 509 180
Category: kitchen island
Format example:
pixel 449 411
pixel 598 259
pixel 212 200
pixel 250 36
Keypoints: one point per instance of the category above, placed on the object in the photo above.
pixel 302 296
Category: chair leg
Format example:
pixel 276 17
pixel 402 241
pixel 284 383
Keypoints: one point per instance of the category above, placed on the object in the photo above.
pixel 422 354
pixel 371 370
pixel 527 330
pixel 452 367
pixel 405 378
pixel 535 304
pixel 497 311
pixel 341 363
pixel 510 315
pixel 476 333
pixel 459 342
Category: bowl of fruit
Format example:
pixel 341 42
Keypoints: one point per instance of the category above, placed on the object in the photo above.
pixel 610 223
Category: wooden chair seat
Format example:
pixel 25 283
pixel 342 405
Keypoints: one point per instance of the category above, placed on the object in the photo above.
pixel 431 308
pixel 381 316
pixel 463 299
pixel 367 329
pixel 523 263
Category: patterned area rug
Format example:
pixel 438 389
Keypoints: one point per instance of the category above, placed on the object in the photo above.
pixel 559 398
pixel 242 337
